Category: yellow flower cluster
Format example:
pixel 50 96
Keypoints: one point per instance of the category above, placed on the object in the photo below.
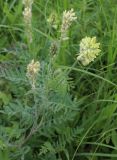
pixel 32 71
pixel 27 13
pixel 68 18
pixel 89 50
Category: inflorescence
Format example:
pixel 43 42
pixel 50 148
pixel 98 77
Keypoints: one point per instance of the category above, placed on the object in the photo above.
pixel 32 71
pixel 27 13
pixel 68 18
pixel 89 50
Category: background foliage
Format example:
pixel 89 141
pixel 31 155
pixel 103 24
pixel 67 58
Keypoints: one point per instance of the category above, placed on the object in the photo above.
pixel 69 116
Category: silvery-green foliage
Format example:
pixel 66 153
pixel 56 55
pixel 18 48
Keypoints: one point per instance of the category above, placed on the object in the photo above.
pixel 42 115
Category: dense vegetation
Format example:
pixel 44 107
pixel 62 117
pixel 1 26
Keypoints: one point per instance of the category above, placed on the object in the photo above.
pixel 52 107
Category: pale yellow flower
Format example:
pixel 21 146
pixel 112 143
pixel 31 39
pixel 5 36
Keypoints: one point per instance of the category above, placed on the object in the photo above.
pixel 68 18
pixel 89 50
pixel 27 13
pixel 32 71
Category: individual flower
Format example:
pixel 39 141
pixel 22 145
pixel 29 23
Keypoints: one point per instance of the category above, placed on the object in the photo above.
pixel 32 71
pixel 68 18
pixel 89 50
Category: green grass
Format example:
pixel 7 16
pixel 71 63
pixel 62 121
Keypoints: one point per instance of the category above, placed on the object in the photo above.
pixel 73 112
